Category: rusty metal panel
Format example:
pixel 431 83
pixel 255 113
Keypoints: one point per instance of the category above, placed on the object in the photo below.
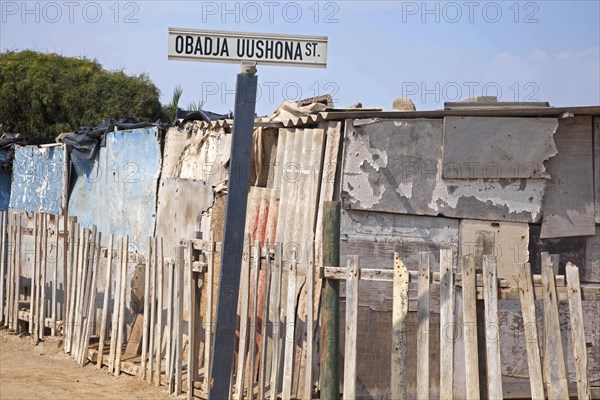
pixel 37 179
pixel 117 190
pixel 493 147
pixel 569 202
pixel 395 166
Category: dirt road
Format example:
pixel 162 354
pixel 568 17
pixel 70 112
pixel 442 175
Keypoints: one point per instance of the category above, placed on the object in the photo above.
pixel 44 371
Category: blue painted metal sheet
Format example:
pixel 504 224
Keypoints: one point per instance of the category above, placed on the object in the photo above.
pixel 37 179
pixel 117 190
pixel 5 179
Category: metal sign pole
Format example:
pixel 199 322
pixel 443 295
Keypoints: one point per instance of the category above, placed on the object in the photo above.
pixel 233 238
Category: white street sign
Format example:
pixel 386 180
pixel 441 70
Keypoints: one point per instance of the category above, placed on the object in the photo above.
pixel 233 47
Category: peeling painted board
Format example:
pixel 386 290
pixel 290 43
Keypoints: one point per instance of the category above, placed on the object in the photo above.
pixel 493 147
pixel 118 190
pixel 37 179
pixel 597 167
pixel 376 236
pixel 5 180
pixel 395 166
pixel 591 272
pixel 510 244
pixel 571 249
pixel 181 203
pixel 569 202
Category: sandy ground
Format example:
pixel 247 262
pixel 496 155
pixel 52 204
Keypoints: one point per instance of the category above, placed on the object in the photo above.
pixel 44 371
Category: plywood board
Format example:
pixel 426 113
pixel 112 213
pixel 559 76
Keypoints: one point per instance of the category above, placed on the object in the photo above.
pixel 495 147
pixel 569 202
pixel 395 166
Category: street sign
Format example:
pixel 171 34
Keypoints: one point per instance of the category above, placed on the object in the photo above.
pixel 234 47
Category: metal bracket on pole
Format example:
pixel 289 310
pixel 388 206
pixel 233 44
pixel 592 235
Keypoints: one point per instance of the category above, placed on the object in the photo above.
pixel 233 236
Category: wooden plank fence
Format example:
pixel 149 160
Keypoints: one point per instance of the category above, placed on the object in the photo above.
pixel 159 347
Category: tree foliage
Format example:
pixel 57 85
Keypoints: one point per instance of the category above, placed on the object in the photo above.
pixel 42 95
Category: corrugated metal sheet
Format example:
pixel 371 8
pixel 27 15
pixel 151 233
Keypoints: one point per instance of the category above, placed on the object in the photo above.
pixel 5 179
pixel 117 190
pixel 37 179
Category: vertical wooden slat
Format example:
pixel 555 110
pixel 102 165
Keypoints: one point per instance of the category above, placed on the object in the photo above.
pixel 192 371
pixel 492 328
pixel 469 289
pixel 145 333
pixel 554 362
pixel 69 285
pixel 89 258
pixel 290 330
pixel 399 375
pixel 159 322
pixel 121 323
pixel 55 274
pixel 179 319
pixel 424 280
pixel 352 283
pixel 2 261
pixel 80 290
pixel 18 269
pixel 169 339
pixel 111 243
pixel 447 324
pixel 92 299
pixel 210 263
pixel 262 375
pixel 74 284
pixel 33 275
pixel 310 303
pixel 526 295
pixel 9 270
pixel 151 310
pixel 244 295
pixel 254 302
pixel 275 306
pixel 43 266
pixel 578 333
pixel 116 307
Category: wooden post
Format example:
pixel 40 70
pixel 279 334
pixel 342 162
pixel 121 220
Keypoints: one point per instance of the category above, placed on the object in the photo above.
pixel 447 324
pixel 424 280
pixel 275 308
pixel 290 330
pixel 145 333
pixel 210 261
pixel 469 289
pixel 577 332
pixel 92 299
pixel 244 287
pixel 159 324
pixel 492 327
pixel 152 311
pixel 111 243
pixel 80 290
pixel 310 283
pixel 399 375
pixel 554 362
pixel 169 340
pixel 330 294
pixel 55 275
pixel 123 284
pixel 265 316
pixel 33 275
pixel 74 284
pixel 254 300
pixel 192 323
pixel 526 294
pixel 18 269
pixel 116 307
pixel 42 297
pixel 352 283
pixel 179 318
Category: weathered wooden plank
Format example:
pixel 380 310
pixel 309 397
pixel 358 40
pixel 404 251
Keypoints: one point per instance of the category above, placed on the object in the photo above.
pixel 33 273
pixel 179 319
pixel 569 201
pixel 69 283
pixel 193 316
pixel 492 328
pixel 18 269
pixel 91 309
pixel 109 263
pixel 152 311
pixel 531 331
pixel 275 319
pixel 423 327
pixel 554 362
pixel 43 266
pixel 255 269
pixel 3 246
pixel 159 322
pixel 352 285
pixel 210 261
pixel 121 325
pixel 74 284
pixel 470 328
pixel 310 330
pixel 89 275
pixel 578 333
pixel 262 374
pixel 244 295
pixel 399 381
pixel 116 308
pixel 80 289
pixel 447 324
pixel 145 333
pixel 169 338
pixel 290 330
pixel 55 274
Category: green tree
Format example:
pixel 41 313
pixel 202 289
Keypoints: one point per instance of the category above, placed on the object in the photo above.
pixel 42 95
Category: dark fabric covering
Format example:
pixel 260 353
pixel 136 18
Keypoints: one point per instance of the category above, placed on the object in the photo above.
pixel 183 116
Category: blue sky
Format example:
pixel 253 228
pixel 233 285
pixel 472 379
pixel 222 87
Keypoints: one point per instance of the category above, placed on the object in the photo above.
pixel 431 52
